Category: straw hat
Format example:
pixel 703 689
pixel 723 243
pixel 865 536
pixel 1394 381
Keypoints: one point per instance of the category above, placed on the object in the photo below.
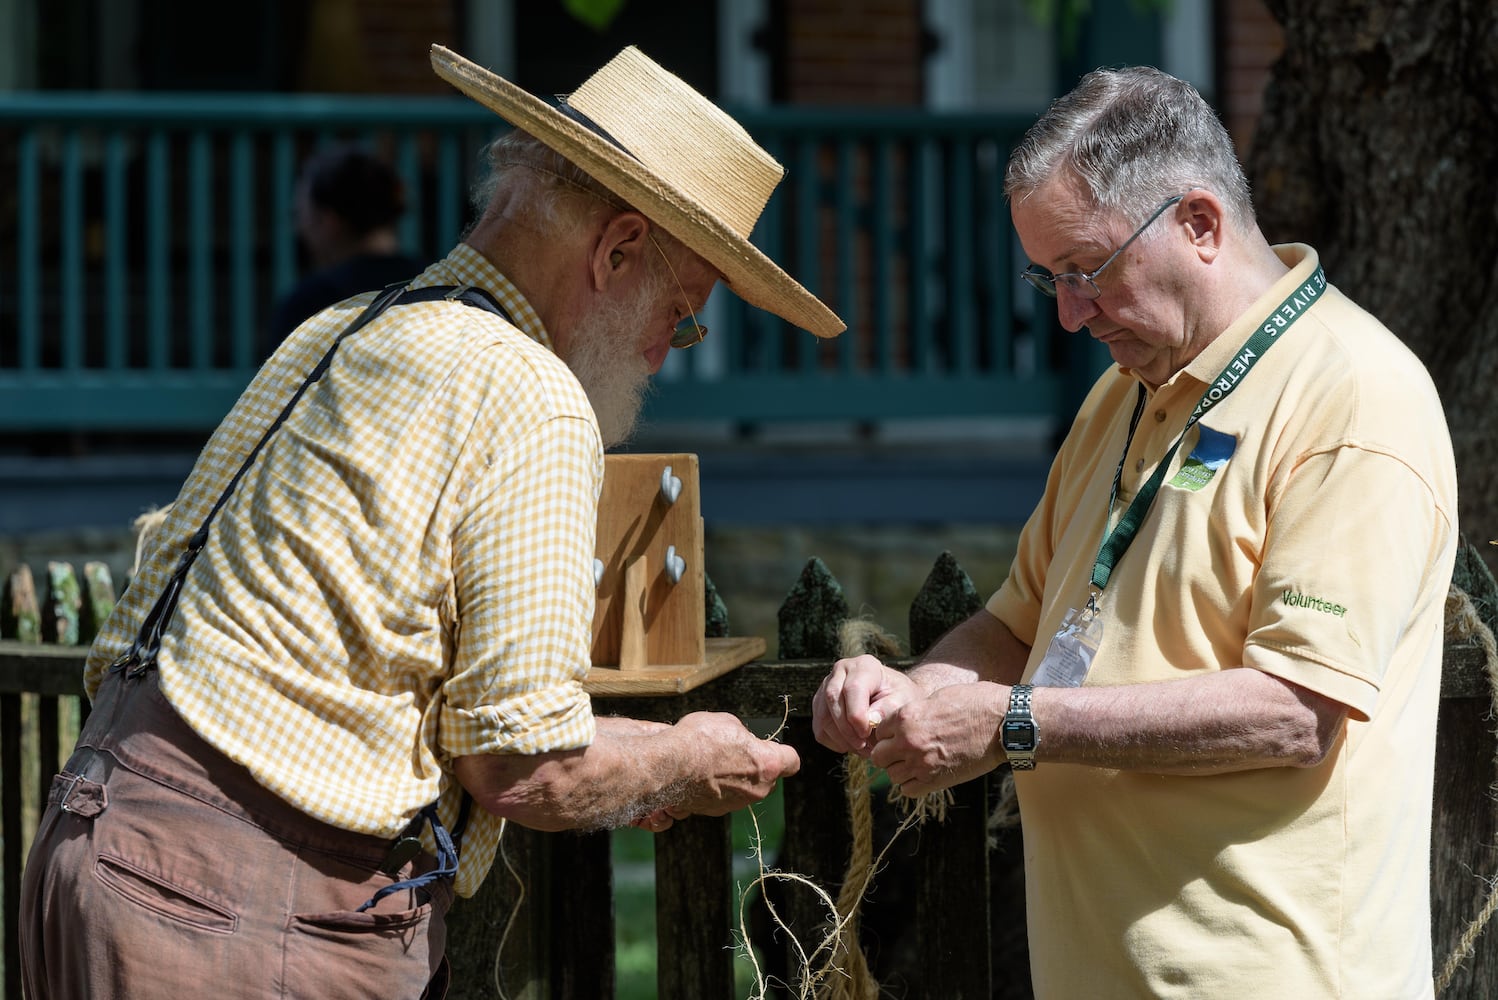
pixel 672 154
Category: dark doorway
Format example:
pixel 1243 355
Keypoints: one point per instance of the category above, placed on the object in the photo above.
pixel 555 52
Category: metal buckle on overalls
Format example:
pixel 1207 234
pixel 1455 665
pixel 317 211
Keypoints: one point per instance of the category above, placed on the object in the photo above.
pixel 406 847
pixel 401 852
pixel 67 793
pixel 94 800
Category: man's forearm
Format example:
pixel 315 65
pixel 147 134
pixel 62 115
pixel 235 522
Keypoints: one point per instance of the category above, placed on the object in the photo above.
pixel 1231 720
pixel 626 772
pixel 708 763
pixel 979 649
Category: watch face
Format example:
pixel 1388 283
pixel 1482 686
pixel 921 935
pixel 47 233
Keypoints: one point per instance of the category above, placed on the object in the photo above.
pixel 1019 735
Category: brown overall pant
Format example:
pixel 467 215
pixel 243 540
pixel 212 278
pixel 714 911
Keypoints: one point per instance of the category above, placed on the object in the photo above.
pixel 163 869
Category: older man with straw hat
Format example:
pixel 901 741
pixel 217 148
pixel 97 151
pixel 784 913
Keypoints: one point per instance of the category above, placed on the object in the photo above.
pixel 369 608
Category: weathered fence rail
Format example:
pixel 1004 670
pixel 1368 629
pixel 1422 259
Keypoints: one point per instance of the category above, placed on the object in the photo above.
pixel 960 930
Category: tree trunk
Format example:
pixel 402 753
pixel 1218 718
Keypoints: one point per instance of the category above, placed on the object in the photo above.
pixel 1378 146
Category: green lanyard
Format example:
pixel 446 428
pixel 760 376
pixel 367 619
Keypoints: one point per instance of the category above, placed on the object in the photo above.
pixel 1266 336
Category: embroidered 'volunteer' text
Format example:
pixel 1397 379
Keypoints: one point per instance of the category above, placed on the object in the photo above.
pixel 1294 600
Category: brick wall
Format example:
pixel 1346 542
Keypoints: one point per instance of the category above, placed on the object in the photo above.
pixel 1249 40
pixel 390 51
pixel 398 37
pixel 854 52
pixel 835 52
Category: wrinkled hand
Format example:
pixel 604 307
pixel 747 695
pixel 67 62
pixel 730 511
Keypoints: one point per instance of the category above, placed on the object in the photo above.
pixel 944 739
pixel 854 698
pixel 731 768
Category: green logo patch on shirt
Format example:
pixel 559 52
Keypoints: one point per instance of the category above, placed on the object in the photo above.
pixel 1212 451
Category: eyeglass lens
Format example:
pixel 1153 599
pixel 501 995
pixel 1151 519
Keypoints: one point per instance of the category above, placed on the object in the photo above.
pixel 688 332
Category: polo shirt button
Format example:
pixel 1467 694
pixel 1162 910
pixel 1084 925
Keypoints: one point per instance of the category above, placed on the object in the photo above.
pixel 1159 416
pixel 1139 465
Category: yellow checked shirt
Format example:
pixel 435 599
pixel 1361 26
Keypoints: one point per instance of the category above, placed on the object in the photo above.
pixel 404 575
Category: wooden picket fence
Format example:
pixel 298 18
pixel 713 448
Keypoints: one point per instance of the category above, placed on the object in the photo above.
pixel 948 906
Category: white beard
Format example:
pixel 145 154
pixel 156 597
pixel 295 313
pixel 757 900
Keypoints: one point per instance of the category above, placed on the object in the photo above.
pixel 604 354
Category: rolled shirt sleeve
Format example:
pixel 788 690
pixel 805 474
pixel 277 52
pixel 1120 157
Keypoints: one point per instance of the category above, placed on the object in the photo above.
pixel 522 565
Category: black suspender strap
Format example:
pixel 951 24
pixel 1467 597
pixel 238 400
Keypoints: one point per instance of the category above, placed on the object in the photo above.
pixel 141 656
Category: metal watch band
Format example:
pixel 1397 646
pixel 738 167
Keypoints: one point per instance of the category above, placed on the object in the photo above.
pixel 1019 698
pixel 1020 734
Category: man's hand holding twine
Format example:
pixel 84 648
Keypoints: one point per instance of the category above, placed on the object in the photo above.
pixel 925 742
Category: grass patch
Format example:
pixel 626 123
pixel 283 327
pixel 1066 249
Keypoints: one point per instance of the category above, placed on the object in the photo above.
pixel 633 854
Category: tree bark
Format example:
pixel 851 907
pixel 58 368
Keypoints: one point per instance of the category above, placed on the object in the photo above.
pixel 1378 146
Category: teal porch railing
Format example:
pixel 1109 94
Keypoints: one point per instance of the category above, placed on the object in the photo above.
pixel 147 236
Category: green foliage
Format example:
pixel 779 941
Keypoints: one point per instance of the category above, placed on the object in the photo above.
pixel 596 14
pixel 1068 15
pixel 1064 12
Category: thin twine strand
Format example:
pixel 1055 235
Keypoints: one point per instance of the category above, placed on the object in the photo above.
pixel 854 980
pixel 1464 622
pixel 811 975
pixel 499 950
pixel 843 974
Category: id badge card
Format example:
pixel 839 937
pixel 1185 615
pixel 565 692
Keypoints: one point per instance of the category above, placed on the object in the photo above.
pixel 1070 654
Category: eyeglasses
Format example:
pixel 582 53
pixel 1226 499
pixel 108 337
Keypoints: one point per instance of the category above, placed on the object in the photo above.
pixel 1081 284
pixel 688 331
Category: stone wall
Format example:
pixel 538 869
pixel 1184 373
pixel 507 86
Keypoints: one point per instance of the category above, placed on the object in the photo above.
pixel 881 567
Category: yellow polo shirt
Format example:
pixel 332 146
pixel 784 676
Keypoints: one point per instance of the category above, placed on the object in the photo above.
pixel 404 575
pixel 1306 528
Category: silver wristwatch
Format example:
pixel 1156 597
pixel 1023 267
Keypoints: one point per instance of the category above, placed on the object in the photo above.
pixel 1019 733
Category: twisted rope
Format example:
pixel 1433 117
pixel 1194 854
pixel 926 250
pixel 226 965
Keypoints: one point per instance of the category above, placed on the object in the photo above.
pixel 837 969
pixel 856 981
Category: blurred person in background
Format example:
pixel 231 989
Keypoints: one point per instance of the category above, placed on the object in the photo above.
pixel 348 202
